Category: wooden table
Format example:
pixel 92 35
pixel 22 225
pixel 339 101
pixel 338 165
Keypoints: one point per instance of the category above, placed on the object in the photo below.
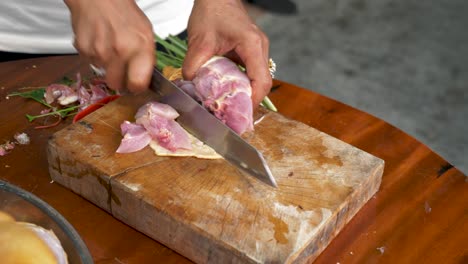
pixel 419 215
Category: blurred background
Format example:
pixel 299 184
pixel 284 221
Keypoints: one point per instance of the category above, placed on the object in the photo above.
pixel 404 61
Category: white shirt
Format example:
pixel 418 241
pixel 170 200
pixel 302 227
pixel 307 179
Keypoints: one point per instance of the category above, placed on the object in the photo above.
pixel 44 26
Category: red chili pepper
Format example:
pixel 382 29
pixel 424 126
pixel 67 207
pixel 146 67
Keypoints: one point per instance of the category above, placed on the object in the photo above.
pixel 91 108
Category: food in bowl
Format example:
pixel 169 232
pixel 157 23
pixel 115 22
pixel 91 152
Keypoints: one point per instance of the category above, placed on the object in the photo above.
pixel 22 242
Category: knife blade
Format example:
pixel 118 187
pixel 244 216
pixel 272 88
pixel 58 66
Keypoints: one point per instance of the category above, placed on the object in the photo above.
pixel 210 130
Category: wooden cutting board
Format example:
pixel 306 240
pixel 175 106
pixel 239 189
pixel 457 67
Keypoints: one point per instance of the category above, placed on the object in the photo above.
pixel 209 211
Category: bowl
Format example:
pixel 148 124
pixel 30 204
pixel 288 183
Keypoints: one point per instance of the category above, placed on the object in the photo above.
pixel 26 207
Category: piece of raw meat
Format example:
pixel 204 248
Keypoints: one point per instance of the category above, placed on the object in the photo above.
pixel 224 90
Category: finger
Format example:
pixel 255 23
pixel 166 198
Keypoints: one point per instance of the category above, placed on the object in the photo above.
pixel 115 74
pixel 266 48
pixel 102 49
pixel 83 47
pixel 199 51
pixel 83 39
pixel 139 72
pixel 257 70
pixel 232 55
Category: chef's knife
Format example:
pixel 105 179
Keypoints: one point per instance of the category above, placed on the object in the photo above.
pixel 207 128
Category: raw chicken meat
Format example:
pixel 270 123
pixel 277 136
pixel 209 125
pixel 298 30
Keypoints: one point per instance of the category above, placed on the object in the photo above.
pixel 135 137
pixel 157 121
pixel 60 92
pixel 77 92
pixel 97 93
pixel 84 97
pixel 220 86
pixel 224 90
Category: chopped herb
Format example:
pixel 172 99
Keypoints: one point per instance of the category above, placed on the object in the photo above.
pixel 66 81
pixel 37 94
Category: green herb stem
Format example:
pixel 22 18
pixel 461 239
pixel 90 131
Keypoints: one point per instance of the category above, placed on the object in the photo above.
pixel 268 104
pixel 36 94
pixel 62 112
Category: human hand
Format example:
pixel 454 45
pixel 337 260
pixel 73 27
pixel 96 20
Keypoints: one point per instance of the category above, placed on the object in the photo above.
pixel 117 36
pixel 223 27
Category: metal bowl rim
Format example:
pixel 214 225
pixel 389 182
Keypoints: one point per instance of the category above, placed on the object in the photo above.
pixel 67 228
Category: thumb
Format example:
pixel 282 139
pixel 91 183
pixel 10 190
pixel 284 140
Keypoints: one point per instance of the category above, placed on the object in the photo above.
pixel 199 51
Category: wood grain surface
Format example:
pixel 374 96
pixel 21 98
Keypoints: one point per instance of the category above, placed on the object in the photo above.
pixel 419 215
pixel 209 211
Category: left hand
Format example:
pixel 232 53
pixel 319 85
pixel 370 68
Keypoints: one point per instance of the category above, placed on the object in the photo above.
pixel 223 27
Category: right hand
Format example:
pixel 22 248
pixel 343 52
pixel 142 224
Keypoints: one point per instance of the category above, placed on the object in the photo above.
pixel 117 36
pixel 223 27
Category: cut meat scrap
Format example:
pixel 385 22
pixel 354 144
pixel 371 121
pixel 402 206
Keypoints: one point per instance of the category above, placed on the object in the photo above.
pixel 60 92
pixel 152 109
pixel 84 97
pixel 98 92
pixel 79 82
pixel 158 120
pixel 135 137
pixel 82 93
pixel 155 125
pixel 154 121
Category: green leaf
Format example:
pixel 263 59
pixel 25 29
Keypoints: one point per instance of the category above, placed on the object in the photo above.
pixel 36 94
pixel 67 81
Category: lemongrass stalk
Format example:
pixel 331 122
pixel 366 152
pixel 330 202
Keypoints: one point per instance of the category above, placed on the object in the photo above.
pixel 171 48
pixel 178 42
pixel 268 104
pixel 159 64
pixel 172 57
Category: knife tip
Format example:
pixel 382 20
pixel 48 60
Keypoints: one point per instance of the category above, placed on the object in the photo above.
pixel 271 179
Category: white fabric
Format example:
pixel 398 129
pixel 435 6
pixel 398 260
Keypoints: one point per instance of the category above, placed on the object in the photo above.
pixel 43 26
